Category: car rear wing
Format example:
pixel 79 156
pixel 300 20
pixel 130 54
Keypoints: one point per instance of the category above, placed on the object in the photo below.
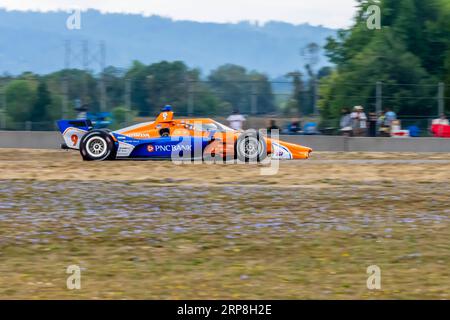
pixel 80 124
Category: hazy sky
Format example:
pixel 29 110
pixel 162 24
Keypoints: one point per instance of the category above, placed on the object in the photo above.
pixel 330 13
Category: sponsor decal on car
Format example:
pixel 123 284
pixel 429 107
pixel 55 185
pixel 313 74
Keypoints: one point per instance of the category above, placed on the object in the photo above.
pixel 150 148
pixel 124 149
pixel 173 147
pixel 72 137
pixel 139 135
pixel 280 152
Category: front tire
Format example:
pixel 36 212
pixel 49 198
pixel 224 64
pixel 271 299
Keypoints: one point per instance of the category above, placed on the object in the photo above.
pixel 251 147
pixel 97 145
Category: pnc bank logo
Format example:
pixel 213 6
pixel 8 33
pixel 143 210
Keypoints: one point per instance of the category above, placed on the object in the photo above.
pixel 150 148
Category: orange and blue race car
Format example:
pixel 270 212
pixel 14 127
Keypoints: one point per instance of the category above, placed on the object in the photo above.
pixel 169 138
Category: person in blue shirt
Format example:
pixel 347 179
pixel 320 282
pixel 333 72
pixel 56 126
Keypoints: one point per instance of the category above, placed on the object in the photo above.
pixel 389 117
pixel 294 127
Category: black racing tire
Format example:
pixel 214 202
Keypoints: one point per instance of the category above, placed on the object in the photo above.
pixel 97 145
pixel 250 147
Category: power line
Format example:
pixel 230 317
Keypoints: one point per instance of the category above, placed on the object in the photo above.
pixel 86 57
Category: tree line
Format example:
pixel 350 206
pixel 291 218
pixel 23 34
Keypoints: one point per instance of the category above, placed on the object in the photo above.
pixel 143 89
pixel 409 56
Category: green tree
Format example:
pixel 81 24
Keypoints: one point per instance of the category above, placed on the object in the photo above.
pixel 295 104
pixel 114 85
pixel 407 55
pixel 168 83
pixel 162 83
pixel 235 85
pixel 20 96
pixel 122 116
pixel 39 111
pixel 81 86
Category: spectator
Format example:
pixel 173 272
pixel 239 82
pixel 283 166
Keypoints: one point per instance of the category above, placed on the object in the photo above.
pixel 440 127
pixel 372 124
pixel 236 120
pixel 389 117
pixel 359 121
pixel 442 120
pixel 310 128
pixel 346 122
pixel 273 125
pixel 294 127
pixel 383 129
pixel 82 111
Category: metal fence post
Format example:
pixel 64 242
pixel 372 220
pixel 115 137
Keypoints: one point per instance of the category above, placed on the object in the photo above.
pixel 3 107
pixel 150 85
pixel 379 97
pixel 190 97
pixel 128 99
pixel 3 119
pixel 441 99
pixel 315 96
pixel 103 102
pixel 65 98
pixel 254 98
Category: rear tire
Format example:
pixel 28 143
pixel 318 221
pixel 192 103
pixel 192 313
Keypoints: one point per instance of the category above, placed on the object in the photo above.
pixel 97 145
pixel 251 147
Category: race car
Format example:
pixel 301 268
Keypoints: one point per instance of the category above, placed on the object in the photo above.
pixel 169 138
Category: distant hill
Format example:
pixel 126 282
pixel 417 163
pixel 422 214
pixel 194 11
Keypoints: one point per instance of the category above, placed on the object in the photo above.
pixel 34 41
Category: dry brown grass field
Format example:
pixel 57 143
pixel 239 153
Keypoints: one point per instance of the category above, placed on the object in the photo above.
pixel 156 230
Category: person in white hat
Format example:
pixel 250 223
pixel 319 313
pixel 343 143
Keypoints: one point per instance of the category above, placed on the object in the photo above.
pixel 359 121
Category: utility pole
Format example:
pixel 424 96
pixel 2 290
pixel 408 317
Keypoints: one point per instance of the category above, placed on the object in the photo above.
pixel 103 103
pixel 190 97
pixel 68 53
pixel 3 105
pixel 65 100
pixel 315 96
pixel 84 57
pixel 379 97
pixel 85 62
pixel 311 53
pixel 150 84
pixel 441 99
pixel 254 98
pixel 85 45
pixel 102 55
pixel 65 81
pixel 128 98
